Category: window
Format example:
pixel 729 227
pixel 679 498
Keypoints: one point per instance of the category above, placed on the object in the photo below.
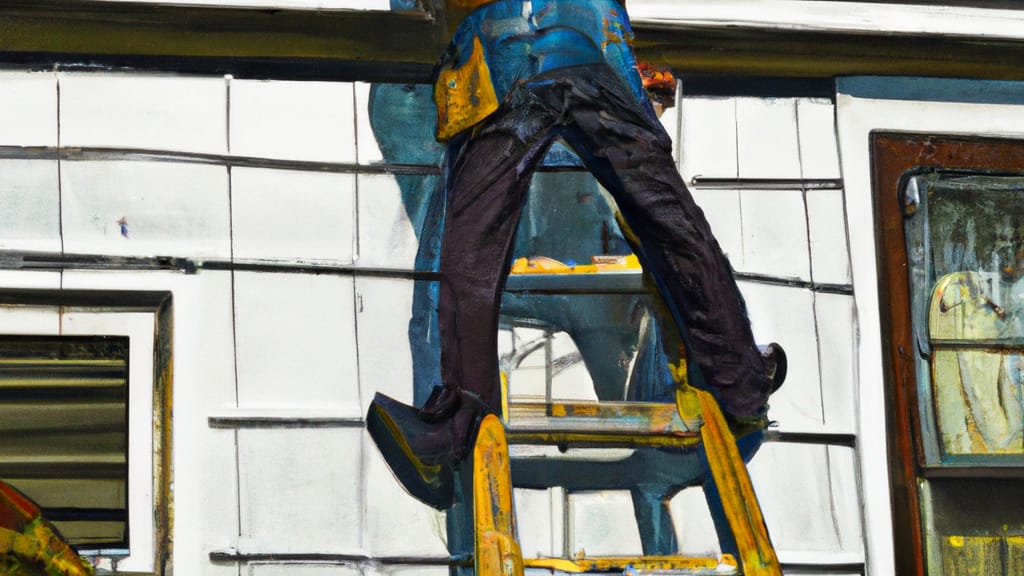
pixel 953 252
pixel 64 432
pixel 965 239
pixel 85 418
pixel 966 248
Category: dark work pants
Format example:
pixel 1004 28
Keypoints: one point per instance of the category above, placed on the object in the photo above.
pixel 489 172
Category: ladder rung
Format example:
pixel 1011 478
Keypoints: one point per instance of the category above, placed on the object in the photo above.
pixel 666 565
pixel 597 439
pixel 615 418
pixel 601 424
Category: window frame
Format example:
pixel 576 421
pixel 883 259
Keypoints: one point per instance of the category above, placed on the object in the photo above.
pixel 893 156
pixel 146 319
pixel 90 352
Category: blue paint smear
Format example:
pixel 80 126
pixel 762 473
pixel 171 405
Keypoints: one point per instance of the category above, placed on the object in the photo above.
pixel 932 89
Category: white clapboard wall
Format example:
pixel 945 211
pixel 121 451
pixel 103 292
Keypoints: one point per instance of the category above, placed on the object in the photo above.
pixel 277 356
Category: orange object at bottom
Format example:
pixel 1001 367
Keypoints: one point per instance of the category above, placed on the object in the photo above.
pixel 30 545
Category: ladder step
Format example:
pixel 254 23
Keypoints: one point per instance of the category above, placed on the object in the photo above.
pixel 601 424
pixel 630 565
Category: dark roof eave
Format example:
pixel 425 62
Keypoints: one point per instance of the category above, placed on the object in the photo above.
pixel 369 45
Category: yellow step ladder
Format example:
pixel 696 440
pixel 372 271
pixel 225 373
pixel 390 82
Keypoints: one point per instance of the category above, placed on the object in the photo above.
pixel 694 422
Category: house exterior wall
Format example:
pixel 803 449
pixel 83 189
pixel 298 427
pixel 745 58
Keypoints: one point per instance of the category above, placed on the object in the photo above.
pixel 272 199
pixel 787 242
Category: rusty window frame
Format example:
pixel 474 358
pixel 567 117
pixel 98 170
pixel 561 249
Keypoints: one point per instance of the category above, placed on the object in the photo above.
pixel 894 156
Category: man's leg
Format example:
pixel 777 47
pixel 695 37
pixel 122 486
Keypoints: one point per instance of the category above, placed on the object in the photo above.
pixel 631 155
pixel 486 182
pixel 400 119
pixel 486 186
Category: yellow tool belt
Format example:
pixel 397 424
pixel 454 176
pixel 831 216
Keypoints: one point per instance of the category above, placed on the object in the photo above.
pixel 464 95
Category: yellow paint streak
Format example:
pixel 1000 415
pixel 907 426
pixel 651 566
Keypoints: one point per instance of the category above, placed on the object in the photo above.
pixel 428 472
pixel 643 563
pixel 497 552
pixel 504 397
pixel 1014 554
pixel 614 33
pixel 688 403
pixel 681 440
pixel 464 96
pixel 39 546
pixel 657 414
pixel 678 371
pixel 975 555
pixel 757 557
pixel 599 264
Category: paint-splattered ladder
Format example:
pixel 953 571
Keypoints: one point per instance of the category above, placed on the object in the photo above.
pixel 695 422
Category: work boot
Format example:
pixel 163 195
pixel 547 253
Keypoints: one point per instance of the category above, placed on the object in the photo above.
pixel 775 364
pixel 421 452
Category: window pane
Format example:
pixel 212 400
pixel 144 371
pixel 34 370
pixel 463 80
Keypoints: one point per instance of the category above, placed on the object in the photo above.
pixel 966 237
pixel 965 246
pixel 974 526
pixel 63 432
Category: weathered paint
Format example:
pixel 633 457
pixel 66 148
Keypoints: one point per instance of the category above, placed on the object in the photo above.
pixel 979 555
pixel 604 423
pixel 497 551
pixel 892 156
pixel 599 264
pixel 932 89
pixel 757 557
pixel 492 480
pixel 163 419
pixel 693 565
pixel 464 95
pixel 636 417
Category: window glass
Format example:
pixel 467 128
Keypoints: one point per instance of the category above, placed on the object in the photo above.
pixel 965 248
pixel 63 432
pixel 966 244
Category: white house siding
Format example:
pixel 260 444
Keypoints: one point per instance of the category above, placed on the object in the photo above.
pixel 283 179
pixel 788 243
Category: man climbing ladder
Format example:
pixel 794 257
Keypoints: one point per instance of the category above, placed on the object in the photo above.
pixel 517 76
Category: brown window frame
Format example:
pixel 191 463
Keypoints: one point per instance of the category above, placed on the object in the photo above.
pixel 893 155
